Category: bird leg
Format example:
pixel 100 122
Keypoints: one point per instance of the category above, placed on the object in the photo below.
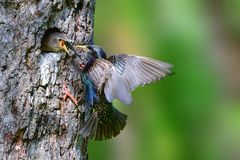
pixel 67 94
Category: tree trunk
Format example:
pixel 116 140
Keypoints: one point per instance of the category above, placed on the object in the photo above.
pixel 35 121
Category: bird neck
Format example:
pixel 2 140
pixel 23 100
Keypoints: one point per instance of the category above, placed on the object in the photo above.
pixel 90 62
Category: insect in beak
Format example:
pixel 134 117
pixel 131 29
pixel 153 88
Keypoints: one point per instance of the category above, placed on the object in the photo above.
pixel 83 48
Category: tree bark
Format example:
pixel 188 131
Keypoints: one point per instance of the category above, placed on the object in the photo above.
pixel 35 121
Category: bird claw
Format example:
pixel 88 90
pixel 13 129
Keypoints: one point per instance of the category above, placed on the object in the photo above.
pixel 67 94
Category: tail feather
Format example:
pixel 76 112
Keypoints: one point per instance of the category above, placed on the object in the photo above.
pixel 90 126
pixel 99 128
pixel 94 128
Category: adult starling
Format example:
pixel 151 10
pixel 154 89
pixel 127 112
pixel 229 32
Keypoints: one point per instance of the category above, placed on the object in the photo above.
pixel 90 91
pixel 113 77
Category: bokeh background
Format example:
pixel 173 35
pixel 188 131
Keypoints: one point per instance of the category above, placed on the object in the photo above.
pixel 194 114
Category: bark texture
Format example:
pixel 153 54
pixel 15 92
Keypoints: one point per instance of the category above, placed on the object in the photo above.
pixel 35 122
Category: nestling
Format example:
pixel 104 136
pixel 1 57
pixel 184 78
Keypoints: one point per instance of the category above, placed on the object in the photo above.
pixel 54 41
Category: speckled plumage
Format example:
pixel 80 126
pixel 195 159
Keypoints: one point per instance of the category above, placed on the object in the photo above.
pixel 115 77
pixel 105 122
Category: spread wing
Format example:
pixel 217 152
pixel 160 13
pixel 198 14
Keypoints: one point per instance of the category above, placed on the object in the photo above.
pixel 133 71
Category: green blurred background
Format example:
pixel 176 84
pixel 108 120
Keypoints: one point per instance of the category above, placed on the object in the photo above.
pixel 194 114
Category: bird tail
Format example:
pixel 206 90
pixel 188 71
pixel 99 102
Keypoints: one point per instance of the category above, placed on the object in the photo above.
pixel 101 126
pixel 89 90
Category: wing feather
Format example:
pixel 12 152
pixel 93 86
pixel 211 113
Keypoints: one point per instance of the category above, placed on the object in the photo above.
pixel 137 71
pixel 122 73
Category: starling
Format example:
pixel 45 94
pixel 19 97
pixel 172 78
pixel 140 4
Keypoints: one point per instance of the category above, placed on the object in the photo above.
pixel 109 78
pixel 54 41
pixel 90 91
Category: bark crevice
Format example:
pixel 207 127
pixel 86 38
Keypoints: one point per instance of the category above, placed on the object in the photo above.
pixel 35 122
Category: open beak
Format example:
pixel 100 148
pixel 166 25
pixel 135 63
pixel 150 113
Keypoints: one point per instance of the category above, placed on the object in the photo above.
pixel 63 46
pixel 65 49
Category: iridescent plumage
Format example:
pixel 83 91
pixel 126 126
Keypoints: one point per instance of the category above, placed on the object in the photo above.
pixel 115 77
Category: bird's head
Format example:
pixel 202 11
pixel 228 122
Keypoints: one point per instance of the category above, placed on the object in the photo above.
pixel 94 50
pixel 84 57
pixel 55 42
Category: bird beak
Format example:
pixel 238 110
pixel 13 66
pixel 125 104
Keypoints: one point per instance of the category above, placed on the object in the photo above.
pixel 65 49
pixel 84 48
pixel 65 38
pixel 68 40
